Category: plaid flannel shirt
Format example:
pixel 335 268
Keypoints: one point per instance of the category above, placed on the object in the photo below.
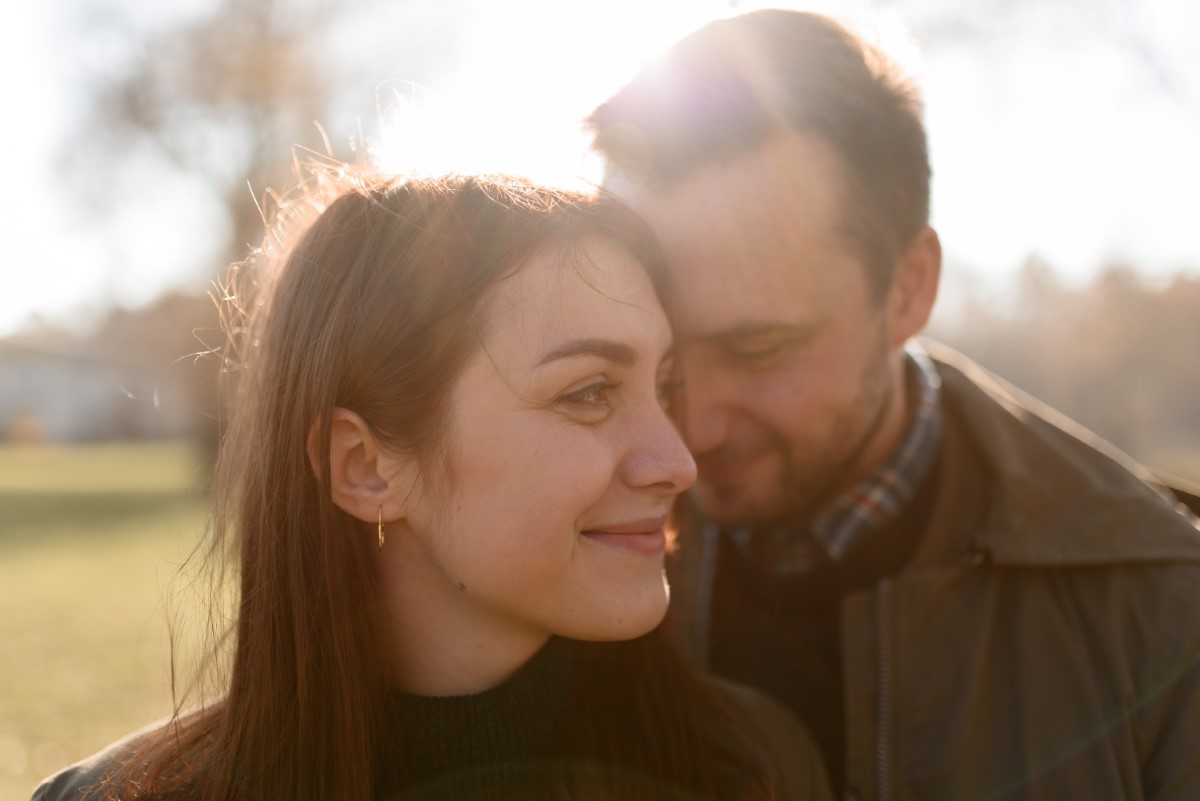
pixel 866 508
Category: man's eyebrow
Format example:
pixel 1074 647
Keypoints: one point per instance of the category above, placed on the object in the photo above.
pixel 616 352
pixel 752 330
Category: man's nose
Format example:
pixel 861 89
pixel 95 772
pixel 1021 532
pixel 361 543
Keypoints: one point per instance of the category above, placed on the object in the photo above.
pixel 702 410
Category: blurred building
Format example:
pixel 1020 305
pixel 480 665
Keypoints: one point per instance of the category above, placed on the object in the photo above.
pixel 65 396
pixel 140 375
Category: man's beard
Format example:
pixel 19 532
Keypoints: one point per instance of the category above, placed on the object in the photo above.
pixel 814 473
pixel 813 483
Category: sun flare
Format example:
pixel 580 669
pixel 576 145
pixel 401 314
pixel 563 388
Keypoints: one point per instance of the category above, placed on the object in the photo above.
pixel 517 102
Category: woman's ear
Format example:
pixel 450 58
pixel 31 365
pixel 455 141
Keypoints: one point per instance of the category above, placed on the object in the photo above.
pixel 364 480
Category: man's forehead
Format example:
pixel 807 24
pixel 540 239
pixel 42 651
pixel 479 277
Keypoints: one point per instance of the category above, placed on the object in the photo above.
pixel 756 239
pixel 797 170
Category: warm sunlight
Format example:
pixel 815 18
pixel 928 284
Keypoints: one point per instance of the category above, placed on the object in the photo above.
pixel 1022 107
pixel 515 104
pixel 342 478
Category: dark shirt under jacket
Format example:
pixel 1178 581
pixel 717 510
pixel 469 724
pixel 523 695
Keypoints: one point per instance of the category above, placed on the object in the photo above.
pixel 781 633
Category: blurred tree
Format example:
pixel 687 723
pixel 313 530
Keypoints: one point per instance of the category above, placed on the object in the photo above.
pixel 1116 355
pixel 220 92
pixel 220 95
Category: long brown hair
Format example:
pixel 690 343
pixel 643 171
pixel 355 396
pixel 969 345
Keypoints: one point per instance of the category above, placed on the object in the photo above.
pixel 367 295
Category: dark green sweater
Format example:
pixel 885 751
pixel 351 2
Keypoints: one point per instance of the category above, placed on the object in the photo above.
pixel 497 744
pixel 476 746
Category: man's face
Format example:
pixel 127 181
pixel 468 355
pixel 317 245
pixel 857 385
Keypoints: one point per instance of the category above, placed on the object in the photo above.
pixel 788 356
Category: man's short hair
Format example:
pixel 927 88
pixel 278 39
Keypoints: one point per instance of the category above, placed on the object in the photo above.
pixel 735 83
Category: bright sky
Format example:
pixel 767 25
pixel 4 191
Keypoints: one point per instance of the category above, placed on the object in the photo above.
pixel 1046 139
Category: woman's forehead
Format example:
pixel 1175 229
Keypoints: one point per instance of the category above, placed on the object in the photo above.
pixel 594 291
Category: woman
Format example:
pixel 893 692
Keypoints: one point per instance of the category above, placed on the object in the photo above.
pixel 447 483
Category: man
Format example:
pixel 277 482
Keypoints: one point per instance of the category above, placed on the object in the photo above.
pixel 962 594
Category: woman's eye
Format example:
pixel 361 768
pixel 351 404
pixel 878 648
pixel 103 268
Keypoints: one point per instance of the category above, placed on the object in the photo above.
pixel 593 395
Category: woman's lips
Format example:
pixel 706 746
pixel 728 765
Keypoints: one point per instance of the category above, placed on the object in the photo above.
pixel 645 537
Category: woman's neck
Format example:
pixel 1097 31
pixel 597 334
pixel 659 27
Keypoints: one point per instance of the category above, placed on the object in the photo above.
pixel 439 644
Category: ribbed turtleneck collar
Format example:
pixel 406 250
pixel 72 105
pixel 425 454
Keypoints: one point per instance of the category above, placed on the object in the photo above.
pixel 471 746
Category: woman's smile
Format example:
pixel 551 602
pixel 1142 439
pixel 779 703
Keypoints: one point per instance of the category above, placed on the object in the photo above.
pixel 644 537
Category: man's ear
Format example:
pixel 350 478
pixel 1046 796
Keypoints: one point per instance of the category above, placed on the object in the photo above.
pixel 915 285
pixel 363 479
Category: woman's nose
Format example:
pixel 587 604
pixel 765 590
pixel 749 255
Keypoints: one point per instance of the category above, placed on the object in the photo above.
pixel 658 457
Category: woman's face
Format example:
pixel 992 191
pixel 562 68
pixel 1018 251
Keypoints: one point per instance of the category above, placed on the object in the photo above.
pixel 561 467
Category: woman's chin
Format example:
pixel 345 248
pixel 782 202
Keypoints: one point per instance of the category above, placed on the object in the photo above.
pixel 630 621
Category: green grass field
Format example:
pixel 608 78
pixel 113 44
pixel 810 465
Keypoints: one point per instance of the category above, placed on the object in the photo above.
pixel 90 540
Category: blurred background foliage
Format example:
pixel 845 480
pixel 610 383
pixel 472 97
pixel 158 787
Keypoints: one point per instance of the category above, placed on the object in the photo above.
pixel 108 429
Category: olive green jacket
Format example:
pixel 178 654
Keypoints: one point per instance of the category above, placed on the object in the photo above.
pixel 1042 644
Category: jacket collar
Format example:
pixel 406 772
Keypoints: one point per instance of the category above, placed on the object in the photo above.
pixel 1056 494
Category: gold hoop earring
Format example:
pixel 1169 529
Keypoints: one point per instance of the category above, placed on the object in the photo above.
pixel 381 527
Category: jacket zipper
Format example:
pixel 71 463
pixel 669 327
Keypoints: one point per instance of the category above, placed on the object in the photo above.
pixel 883 688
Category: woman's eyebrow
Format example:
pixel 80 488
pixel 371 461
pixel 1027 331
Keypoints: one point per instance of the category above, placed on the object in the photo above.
pixel 617 352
